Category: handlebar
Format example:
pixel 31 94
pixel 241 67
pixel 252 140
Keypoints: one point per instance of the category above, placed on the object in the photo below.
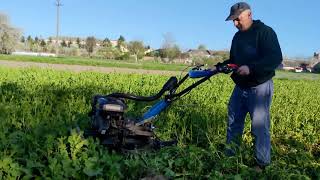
pixel 228 68
pixel 172 84
pixel 168 86
pixel 197 72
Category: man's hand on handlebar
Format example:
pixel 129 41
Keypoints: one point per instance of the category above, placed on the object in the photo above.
pixel 225 68
pixel 243 70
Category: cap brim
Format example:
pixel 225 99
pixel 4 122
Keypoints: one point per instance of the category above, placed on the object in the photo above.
pixel 232 17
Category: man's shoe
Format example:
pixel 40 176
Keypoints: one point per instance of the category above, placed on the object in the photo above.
pixel 259 168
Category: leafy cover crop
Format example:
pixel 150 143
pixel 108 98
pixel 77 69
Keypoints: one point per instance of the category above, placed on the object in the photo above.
pixel 39 110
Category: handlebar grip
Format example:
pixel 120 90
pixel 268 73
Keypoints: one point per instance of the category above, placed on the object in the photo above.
pixel 233 66
pixel 226 68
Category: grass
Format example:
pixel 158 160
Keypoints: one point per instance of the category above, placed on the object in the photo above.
pixel 152 65
pixel 296 76
pixel 149 65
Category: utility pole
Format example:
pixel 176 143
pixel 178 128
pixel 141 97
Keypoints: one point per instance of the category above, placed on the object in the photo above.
pixel 58 4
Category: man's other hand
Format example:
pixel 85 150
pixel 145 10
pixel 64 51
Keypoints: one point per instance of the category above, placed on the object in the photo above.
pixel 243 70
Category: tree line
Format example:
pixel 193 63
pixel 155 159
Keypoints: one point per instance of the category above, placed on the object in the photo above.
pixel 11 39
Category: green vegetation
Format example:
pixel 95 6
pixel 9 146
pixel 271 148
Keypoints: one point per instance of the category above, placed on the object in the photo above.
pixel 152 65
pixel 39 110
pixel 296 76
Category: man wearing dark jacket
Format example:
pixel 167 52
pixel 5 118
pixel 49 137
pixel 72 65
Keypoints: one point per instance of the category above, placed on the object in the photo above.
pixel 256 50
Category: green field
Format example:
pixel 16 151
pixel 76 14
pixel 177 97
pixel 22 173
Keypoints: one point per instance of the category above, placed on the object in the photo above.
pixel 296 76
pixel 151 65
pixel 40 110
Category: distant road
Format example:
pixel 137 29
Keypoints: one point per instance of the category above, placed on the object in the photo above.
pixel 82 68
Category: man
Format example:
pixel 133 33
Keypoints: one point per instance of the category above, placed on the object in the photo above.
pixel 256 50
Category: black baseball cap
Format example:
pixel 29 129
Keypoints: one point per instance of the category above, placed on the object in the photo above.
pixel 236 10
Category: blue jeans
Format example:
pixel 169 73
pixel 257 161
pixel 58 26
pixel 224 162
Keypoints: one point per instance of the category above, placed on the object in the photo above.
pixel 256 101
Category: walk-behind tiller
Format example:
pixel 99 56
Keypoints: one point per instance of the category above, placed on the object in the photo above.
pixel 116 131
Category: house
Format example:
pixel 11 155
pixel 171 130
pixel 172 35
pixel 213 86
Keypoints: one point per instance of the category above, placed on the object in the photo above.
pixel 198 53
pixel 148 50
pixel 298 69
pixel 19 53
pixel 311 65
pixel 114 43
pixel 154 52
pixel 287 66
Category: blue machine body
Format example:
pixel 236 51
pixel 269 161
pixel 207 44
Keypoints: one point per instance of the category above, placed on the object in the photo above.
pixel 154 111
pixel 200 73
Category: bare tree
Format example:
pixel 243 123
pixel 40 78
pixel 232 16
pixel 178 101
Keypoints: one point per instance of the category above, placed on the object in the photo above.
pixel 90 44
pixel 9 36
pixel 170 49
pixel 137 49
pixel 168 41
pixel 202 47
pixel 78 42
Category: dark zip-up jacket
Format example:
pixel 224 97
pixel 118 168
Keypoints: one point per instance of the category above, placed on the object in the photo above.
pixel 259 49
